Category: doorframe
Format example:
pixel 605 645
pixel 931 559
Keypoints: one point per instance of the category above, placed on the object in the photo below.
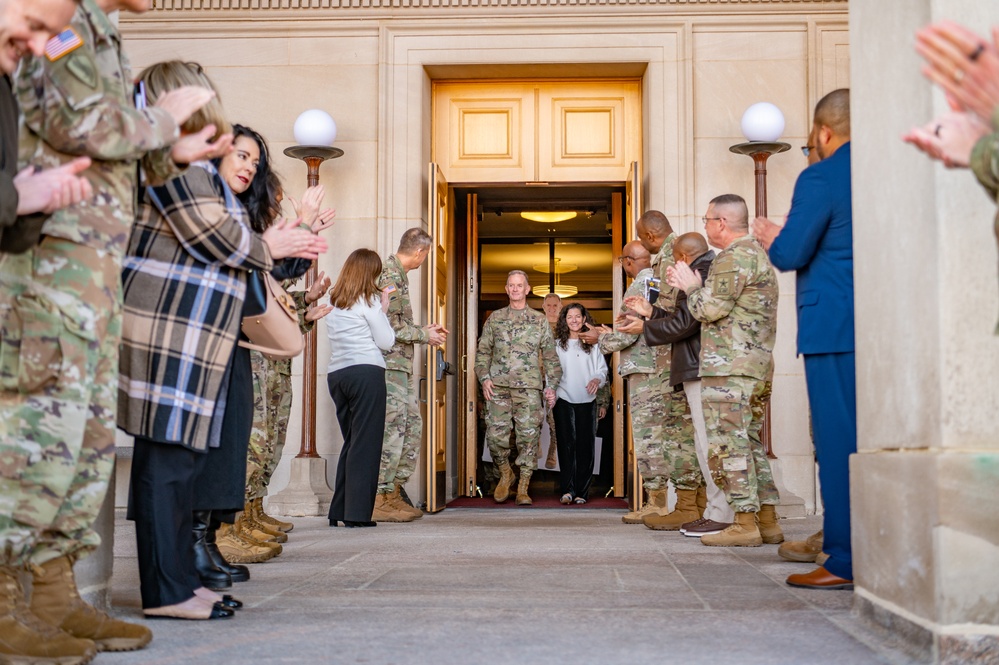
pixel 415 54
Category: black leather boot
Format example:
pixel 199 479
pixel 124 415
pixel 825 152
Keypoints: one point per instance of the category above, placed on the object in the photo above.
pixel 237 572
pixel 211 575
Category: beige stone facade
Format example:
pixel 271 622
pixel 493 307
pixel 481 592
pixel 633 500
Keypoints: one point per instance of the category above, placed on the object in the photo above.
pixel 371 65
pixel 926 536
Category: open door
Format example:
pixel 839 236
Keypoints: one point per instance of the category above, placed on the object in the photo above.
pixel 470 324
pixel 437 371
pixel 633 209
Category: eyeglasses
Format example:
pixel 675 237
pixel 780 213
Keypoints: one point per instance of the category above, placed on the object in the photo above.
pixel 621 258
pixel 711 219
pixel 805 149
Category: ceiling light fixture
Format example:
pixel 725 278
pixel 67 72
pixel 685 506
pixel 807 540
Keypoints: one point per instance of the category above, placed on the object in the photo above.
pixel 561 290
pixel 549 217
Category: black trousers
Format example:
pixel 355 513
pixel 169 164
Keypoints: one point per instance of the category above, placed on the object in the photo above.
pixel 358 392
pixel 575 433
pixel 161 498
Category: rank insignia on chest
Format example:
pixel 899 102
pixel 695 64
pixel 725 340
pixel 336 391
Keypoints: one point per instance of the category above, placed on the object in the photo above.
pixel 65 42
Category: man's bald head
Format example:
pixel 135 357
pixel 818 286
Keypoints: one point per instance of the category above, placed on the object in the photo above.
pixel 653 228
pixel 656 222
pixel 635 258
pixel 833 111
pixel 689 247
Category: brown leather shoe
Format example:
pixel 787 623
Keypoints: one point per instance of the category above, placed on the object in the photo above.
pixel 820 578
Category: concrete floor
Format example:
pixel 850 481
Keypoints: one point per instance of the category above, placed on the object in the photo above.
pixel 514 587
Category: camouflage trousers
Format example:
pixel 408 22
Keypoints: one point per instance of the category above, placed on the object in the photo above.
pixel 678 438
pixel 271 411
pixel 60 325
pixel 733 416
pixel 648 416
pixel 403 431
pixel 519 410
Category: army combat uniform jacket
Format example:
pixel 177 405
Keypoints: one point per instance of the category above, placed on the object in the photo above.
pixel 400 315
pixel 508 350
pixel 636 356
pixel 737 307
pixel 985 164
pixel 81 103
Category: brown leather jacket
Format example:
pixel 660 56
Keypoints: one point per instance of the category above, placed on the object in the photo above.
pixel 680 329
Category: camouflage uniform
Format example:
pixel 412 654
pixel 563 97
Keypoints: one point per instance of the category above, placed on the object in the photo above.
pixel 508 354
pixel 272 395
pixel 985 165
pixel 678 427
pixel 737 307
pixel 645 395
pixel 403 423
pixel 60 303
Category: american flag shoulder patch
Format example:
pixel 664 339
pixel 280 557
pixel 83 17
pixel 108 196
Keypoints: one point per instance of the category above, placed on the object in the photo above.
pixel 65 42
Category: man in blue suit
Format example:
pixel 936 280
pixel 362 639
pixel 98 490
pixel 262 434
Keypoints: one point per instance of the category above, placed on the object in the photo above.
pixel 817 241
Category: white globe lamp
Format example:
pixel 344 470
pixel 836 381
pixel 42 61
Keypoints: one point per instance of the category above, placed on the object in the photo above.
pixel 762 122
pixel 315 127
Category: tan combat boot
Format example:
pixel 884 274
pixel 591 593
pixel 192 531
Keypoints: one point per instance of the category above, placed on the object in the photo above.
pixel 255 536
pixel 502 491
pixel 655 504
pixel 804 551
pixel 766 522
pixel 702 500
pixel 685 511
pixel 743 533
pixel 236 549
pixel 386 511
pixel 523 499
pixel 24 638
pixel 395 498
pixel 250 519
pixel 267 520
pixel 56 601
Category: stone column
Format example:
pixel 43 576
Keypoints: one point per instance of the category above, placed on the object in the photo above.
pixel 925 481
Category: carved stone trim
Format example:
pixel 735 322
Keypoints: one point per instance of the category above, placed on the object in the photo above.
pixel 251 5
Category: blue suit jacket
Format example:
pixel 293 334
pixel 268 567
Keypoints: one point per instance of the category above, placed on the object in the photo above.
pixel 817 241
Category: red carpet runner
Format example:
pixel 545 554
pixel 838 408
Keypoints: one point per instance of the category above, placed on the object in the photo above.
pixel 539 502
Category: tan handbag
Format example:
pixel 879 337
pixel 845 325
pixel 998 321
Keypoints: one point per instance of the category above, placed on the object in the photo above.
pixel 270 319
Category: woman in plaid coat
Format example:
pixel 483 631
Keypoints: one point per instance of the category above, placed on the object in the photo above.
pixel 184 281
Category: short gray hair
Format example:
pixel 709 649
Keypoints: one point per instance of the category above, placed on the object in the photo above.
pixel 518 272
pixel 413 240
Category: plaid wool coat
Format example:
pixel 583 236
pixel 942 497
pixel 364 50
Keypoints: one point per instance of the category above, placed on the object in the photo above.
pixel 184 280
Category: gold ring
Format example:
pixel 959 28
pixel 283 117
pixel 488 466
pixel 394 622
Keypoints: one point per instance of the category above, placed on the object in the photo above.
pixel 958 75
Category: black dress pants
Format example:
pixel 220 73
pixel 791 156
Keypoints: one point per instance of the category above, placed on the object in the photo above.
pixel 358 392
pixel 161 498
pixel 575 433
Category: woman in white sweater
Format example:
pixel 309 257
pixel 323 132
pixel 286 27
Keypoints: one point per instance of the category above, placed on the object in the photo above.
pixel 358 330
pixel 575 412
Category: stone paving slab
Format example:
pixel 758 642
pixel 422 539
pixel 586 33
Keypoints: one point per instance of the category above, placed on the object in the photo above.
pixel 499 587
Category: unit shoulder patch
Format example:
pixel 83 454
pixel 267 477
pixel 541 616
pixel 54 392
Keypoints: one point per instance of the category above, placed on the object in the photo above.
pixel 723 283
pixel 65 42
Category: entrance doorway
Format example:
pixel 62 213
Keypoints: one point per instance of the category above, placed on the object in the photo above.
pixel 576 258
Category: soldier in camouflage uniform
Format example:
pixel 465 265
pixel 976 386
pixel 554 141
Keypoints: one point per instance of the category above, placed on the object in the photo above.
pixel 737 308
pixel 403 423
pixel 508 367
pixel 656 234
pixel 645 395
pixel 272 395
pixel 60 314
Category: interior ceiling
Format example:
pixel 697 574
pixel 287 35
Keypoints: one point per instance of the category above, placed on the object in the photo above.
pixel 584 241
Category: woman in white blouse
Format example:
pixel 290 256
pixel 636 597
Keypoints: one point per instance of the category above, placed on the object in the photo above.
pixel 358 331
pixel 575 412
